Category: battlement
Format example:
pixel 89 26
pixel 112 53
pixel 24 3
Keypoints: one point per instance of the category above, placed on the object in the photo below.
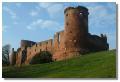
pixel 78 9
pixel 26 43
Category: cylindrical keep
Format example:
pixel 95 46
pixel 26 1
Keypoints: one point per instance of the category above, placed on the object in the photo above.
pixel 76 27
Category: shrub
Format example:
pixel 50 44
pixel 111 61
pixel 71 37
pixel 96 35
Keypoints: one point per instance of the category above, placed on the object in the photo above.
pixel 42 57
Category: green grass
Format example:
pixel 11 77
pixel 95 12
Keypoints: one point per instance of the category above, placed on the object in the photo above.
pixel 93 65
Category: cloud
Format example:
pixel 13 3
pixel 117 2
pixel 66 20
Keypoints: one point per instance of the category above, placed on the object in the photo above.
pixel 54 9
pixel 4 28
pixel 9 11
pixel 97 10
pixel 15 22
pixel 35 24
pixel 101 18
pixel 18 4
pixel 33 13
pixel 44 24
pixel 45 4
pixel 50 24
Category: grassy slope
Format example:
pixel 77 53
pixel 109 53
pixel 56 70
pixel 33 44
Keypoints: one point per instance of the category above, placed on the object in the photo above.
pixel 96 65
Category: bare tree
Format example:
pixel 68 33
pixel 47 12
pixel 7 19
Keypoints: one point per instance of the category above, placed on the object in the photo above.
pixel 5 54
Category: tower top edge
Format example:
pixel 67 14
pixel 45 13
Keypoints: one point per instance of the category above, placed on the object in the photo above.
pixel 77 8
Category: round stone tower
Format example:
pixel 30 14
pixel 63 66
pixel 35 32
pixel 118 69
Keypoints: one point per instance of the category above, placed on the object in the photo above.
pixel 76 29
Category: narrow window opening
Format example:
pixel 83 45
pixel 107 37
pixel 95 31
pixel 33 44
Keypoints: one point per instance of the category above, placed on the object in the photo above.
pixel 70 31
pixel 59 38
pixel 67 23
pixel 66 14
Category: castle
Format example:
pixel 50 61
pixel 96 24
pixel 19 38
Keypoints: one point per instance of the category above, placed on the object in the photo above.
pixel 73 41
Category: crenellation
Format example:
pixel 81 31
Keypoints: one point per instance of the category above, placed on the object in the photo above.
pixel 61 44
pixel 56 41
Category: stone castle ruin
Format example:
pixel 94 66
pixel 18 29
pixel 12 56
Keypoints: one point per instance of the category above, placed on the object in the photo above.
pixel 73 41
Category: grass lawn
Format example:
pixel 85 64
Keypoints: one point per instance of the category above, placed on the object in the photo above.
pixel 93 65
